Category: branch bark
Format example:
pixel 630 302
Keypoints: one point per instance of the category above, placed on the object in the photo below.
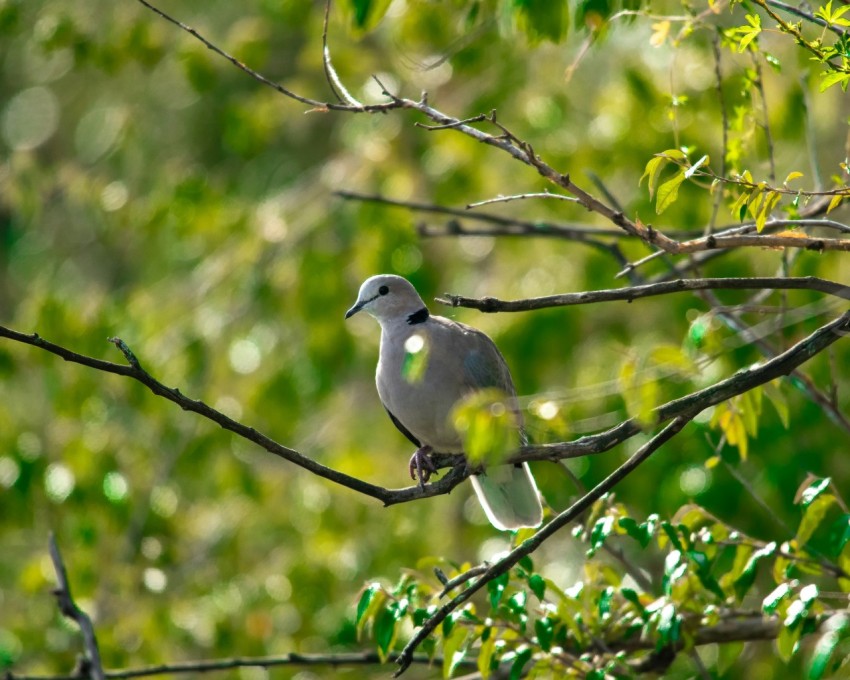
pixel 93 667
pixel 490 304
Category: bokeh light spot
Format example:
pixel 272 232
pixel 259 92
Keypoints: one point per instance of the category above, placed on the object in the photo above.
pixel 30 118
pixel 115 487
pixel 244 356
pixel 59 482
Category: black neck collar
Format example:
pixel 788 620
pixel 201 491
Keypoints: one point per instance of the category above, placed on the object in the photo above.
pixel 420 316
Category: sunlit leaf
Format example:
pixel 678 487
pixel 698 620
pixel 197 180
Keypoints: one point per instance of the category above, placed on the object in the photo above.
pixel 748 575
pixel 488 426
pixel 668 192
pixel 522 658
pixel 813 515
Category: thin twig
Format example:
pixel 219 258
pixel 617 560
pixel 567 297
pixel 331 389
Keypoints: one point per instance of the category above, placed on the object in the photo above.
pixel 724 117
pixel 69 608
pixel 630 293
pixel 460 579
pixel 315 103
pixel 765 125
pixel 811 137
pixel 448 126
pixel 521 197
pixel 334 82
pixel 342 659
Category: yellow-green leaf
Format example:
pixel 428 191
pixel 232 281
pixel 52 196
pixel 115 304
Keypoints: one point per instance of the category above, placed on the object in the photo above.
pixel 812 517
pixel 487 425
pixel 834 202
pixel 669 192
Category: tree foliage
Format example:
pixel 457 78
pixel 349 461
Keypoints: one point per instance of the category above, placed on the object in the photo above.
pixel 154 190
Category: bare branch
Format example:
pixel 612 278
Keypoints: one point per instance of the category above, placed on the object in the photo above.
pixel 136 372
pixel 339 90
pixel 339 660
pixel 490 304
pixel 315 103
pixel 93 665
pixel 520 197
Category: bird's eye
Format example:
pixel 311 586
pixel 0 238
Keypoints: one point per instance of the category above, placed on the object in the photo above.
pixel 383 290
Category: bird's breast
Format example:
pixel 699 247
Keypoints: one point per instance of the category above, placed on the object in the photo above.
pixel 417 381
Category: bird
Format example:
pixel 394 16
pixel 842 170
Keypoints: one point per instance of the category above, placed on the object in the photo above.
pixel 454 362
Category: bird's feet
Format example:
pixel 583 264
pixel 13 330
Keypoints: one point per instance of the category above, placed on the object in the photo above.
pixel 420 466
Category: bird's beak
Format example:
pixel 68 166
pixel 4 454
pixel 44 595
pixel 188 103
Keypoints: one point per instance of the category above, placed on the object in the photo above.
pixel 356 308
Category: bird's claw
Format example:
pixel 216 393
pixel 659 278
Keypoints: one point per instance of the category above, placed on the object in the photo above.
pixel 421 466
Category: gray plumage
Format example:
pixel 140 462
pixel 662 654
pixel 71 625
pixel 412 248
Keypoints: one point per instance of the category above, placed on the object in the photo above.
pixel 427 364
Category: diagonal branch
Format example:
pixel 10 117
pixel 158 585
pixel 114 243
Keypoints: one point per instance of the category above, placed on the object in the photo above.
pixel 742 381
pixel 530 545
pixel 135 371
pixel 681 411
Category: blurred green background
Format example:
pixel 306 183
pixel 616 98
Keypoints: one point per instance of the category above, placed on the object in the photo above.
pixel 151 191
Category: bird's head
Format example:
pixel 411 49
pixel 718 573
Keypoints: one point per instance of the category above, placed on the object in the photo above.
pixel 388 297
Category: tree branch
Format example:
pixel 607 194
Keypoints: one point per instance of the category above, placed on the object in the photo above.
pixel 490 304
pixel 93 667
pixel 342 659
pixel 741 382
pixel 135 371
pixel 531 544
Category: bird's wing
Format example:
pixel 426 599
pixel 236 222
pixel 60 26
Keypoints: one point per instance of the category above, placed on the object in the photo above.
pixel 402 428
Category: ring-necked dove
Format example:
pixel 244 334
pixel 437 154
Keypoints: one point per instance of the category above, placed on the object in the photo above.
pixel 459 361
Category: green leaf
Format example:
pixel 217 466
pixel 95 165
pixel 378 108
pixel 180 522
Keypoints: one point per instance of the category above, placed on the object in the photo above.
pixel 496 589
pixel 672 533
pixel 522 658
pixel 747 577
pixel 813 515
pixel 772 601
pixel 788 641
pixel 669 624
pixel 537 584
pixel 516 603
pixel 368 605
pixel 703 570
pixel 835 630
pixel 543 19
pixel 669 192
pixel 656 164
pixel 486 660
pixel 600 531
pixel 384 630
pixel 605 598
pixel 839 534
pixel 776 396
pixel 632 596
pixel 453 650
pixel 488 426
pixel 811 489
pixel 367 13
pixel 544 630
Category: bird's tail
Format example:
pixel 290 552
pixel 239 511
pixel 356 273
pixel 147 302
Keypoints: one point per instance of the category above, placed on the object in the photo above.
pixel 509 496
